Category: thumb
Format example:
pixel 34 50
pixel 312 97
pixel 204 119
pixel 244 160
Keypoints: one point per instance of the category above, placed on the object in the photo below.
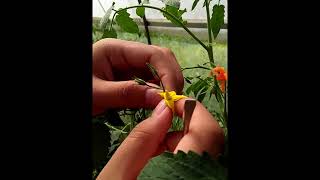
pixel 140 145
pixel 122 94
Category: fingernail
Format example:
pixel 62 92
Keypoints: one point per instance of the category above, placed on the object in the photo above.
pixel 160 108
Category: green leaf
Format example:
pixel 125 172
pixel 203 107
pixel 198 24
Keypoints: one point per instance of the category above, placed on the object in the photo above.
pixel 140 11
pixel 217 19
pixel 188 80
pixel 114 141
pixel 126 23
pixel 191 88
pixel 217 92
pixel 194 4
pixel 202 93
pixel 109 33
pixel 94 38
pixel 211 92
pixel 100 143
pixel 184 166
pixel 105 20
pixel 176 13
pixel 202 84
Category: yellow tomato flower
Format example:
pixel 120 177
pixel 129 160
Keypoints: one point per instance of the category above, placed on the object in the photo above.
pixel 170 98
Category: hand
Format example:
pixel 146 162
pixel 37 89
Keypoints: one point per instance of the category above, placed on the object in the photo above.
pixel 150 138
pixel 115 62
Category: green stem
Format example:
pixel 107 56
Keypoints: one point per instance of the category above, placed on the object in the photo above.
pixel 225 103
pixel 196 67
pixel 209 48
pixel 116 129
pixel 125 127
pixel 167 13
pixel 153 86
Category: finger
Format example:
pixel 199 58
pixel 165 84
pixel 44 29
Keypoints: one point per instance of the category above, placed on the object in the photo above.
pixel 122 94
pixel 124 56
pixel 204 133
pixel 172 139
pixel 140 145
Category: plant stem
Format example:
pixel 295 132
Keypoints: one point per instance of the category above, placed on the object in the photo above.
pixel 116 129
pixel 153 86
pixel 169 14
pixel 146 23
pixel 196 67
pixel 209 48
pixel 225 103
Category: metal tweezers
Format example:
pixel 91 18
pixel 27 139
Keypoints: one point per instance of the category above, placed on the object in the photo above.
pixel 189 106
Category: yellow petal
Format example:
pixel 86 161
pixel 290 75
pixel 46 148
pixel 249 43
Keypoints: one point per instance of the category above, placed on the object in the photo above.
pixel 161 94
pixel 170 104
pixel 172 93
pixel 178 97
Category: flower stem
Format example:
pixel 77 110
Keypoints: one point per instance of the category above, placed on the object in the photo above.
pixel 209 48
pixel 195 67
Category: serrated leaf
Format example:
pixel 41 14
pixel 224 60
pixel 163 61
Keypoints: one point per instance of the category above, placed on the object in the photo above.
pixel 140 11
pixel 184 166
pixel 217 19
pixel 176 13
pixel 195 2
pixel 126 23
pixel 105 20
pixel 109 33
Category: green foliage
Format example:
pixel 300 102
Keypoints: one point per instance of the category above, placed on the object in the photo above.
pixel 140 11
pixel 176 12
pixel 195 2
pixel 126 23
pixel 200 88
pixel 217 19
pixel 109 33
pixel 190 166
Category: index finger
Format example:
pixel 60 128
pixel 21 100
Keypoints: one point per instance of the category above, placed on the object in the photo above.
pixel 126 56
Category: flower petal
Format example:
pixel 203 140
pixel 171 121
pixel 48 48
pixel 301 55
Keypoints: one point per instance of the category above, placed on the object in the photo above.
pixel 178 97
